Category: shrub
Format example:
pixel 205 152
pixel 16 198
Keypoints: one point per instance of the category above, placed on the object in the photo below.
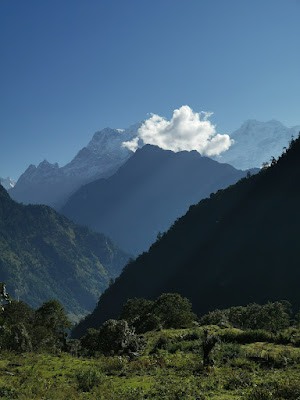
pixel 259 393
pixel 90 342
pixel 113 365
pixel 240 379
pixel 8 392
pixel 216 317
pixel 88 378
pixel 228 351
pixel 248 336
pixel 276 390
pixel 117 337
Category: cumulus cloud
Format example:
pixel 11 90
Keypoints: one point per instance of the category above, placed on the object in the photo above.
pixel 132 144
pixel 186 130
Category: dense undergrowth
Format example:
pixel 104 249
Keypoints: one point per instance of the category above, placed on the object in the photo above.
pixel 170 366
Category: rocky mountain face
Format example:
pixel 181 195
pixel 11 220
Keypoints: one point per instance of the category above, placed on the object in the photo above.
pixel 147 194
pixel 52 185
pixel 44 256
pixel 257 142
pixel 254 143
pixel 239 246
pixel 7 183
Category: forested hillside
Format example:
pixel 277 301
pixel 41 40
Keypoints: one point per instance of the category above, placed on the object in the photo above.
pixel 43 255
pixel 240 245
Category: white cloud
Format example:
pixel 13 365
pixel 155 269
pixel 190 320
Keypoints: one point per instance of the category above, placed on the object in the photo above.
pixel 185 131
pixel 132 144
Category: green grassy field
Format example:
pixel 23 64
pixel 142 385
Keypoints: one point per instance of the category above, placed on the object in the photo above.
pixel 170 366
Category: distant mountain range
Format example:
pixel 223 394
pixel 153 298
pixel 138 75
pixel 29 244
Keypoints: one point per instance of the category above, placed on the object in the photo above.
pixel 257 142
pixel 51 185
pixel 148 193
pixel 7 183
pixel 45 256
pixel 239 246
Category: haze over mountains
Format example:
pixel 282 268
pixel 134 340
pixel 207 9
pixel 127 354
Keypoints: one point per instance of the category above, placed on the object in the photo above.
pixel 257 142
pixel 43 256
pixel 52 185
pixel 148 193
pixel 238 246
pixel 254 143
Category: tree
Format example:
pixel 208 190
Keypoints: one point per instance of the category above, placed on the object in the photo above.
pixel 136 308
pixel 51 324
pixel 117 337
pixel 216 317
pixel 4 296
pixel 52 316
pixel 139 314
pixel 174 311
pixel 17 312
pixel 208 342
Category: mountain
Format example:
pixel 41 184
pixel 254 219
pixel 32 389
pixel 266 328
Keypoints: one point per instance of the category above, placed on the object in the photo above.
pixel 51 185
pixel 239 246
pixel 7 183
pixel 147 194
pixel 43 255
pixel 257 142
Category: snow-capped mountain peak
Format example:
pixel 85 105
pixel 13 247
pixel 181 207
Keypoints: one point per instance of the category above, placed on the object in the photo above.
pixel 256 142
pixel 49 184
pixel 7 183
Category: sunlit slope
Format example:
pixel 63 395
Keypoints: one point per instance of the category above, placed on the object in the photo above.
pixel 43 255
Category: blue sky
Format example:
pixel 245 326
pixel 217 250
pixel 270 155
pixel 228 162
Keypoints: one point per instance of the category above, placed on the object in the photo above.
pixel 71 67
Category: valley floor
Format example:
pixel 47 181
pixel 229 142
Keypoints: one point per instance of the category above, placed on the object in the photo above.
pixel 170 367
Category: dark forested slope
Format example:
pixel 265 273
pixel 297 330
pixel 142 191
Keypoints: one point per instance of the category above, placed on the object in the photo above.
pixel 147 194
pixel 43 255
pixel 240 245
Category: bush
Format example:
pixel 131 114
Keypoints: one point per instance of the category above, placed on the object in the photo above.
pixel 248 336
pixel 228 351
pixel 87 379
pixel 276 390
pixel 90 342
pixel 116 337
pixel 240 379
pixel 8 392
pixel 260 393
pixel 216 317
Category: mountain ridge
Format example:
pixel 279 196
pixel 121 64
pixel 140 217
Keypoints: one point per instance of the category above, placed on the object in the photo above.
pixel 51 185
pixel 44 255
pixel 147 194
pixel 227 250
pixel 256 142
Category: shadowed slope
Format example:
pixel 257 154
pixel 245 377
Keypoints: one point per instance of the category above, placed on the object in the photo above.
pixel 147 194
pixel 239 246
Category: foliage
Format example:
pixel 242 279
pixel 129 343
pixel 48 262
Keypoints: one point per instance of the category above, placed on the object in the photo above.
pixel 139 314
pixel 273 316
pixel 44 255
pixel 174 311
pixel 24 329
pixel 4 296
pixel 174 370
pixel 227 250
pixel 113 337
pixel 170 310
pixel 88 378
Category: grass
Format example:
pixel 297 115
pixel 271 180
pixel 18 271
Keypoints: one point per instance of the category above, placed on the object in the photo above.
pixel 170 367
